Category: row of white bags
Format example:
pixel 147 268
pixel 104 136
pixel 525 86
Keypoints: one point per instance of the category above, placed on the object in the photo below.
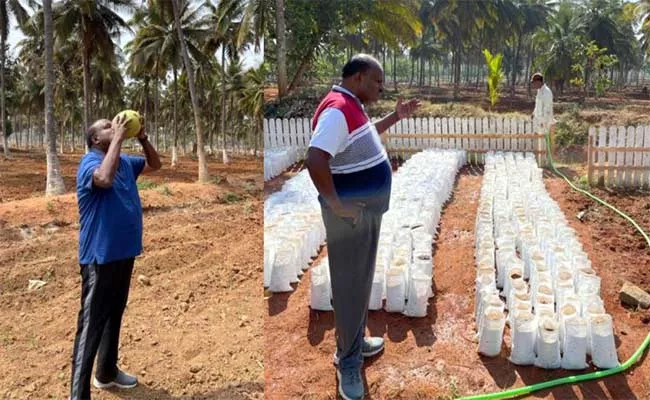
pixel 293 232
pixel 551 292
pixel 277 160
pixel 404 264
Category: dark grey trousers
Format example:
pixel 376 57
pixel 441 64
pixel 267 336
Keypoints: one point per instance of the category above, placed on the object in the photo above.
pixel 104 294
pixel 352 252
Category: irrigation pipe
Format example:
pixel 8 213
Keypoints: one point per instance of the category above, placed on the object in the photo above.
pixel 583 377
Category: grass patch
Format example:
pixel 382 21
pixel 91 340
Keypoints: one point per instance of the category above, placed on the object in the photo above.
pixel 164 190
pixel 248 208
pixel 582 182
pixel 230 198
pixel 250 188
pixel 145 184
pixel 50 207
pixel 453 391
pixel 218 179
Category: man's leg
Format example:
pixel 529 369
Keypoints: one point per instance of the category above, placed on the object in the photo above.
pixel 92 317
pixel 352 252
pixel 108 348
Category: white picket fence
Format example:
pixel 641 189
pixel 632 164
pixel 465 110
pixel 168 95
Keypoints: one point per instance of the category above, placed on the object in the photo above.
pixel 475 135
pixel 619 155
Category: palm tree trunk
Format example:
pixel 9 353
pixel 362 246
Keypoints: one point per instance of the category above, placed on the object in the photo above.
pixel 86 78
pixel 280 32
pixel 3 125
pixel 175 132
pixel 233 132
pixel 204 177
pixel 146 103
pixel 456 64
pixel 530 67
pixel 29 127
pixel 395 68
pixel 383 59
pixel 514 67
pixel 29 121
pixel 223 104
pixel 155 104
pixel 421 83
pixel 17 129
pixel 62 133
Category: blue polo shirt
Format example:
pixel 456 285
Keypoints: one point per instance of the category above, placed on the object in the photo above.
pixel 110 219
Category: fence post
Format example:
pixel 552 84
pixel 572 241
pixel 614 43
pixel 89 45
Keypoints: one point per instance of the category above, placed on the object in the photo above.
pixel 590 161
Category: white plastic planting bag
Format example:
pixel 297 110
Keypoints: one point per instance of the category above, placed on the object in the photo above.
pixel 491 301
pixel 535 258
pixel 566 312
pixel 302 255
pixel 541 277
pixel 588 299
pixel 589 311
pixel 269 259
pixel 524 332
pixel 422 241
pixel 502 257
pixel 574 355
pixel 377 290
pixel 520 302
pixel 422 262
pixel 519 287
pixel 483 292
pixel 513 274
pixel 395 290
pixel 283 272
pixel 603 347
pixel 491 333
pixel 588 283
pixel 418 295
pixel 548 344
pixel 321 287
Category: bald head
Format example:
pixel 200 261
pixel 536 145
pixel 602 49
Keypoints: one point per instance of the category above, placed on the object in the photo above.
pixel 99 134
pixel 360 63
pixel 364 76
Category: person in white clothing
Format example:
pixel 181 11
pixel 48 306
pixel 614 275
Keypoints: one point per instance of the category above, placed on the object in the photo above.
pixel 543 121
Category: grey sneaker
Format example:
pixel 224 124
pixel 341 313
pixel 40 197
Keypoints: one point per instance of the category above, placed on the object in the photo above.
pixel 350 383
pixel 371 346
pixel 122 381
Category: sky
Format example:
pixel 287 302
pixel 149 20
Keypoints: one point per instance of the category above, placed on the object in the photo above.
pixel 250 58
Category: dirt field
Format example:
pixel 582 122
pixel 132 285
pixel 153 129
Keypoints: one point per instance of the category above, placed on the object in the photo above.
pixel 435 357
pixel 194 333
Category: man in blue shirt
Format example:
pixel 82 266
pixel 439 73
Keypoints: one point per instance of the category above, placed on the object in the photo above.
pixel 110 238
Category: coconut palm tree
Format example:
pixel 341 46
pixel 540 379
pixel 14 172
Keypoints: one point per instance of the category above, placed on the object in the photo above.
pixel 280 32
pixel 252 100
pixel 157 47
pixel 97 24
pixel 204 176
pixel 225 21
pixel 7 8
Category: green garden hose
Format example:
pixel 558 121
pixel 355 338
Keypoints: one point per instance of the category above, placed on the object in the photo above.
pixel 584 377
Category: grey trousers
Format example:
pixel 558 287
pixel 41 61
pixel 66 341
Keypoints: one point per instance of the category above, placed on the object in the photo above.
pixel 352 252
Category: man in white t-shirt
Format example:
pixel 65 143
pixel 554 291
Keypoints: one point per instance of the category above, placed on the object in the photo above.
pixel 543 121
